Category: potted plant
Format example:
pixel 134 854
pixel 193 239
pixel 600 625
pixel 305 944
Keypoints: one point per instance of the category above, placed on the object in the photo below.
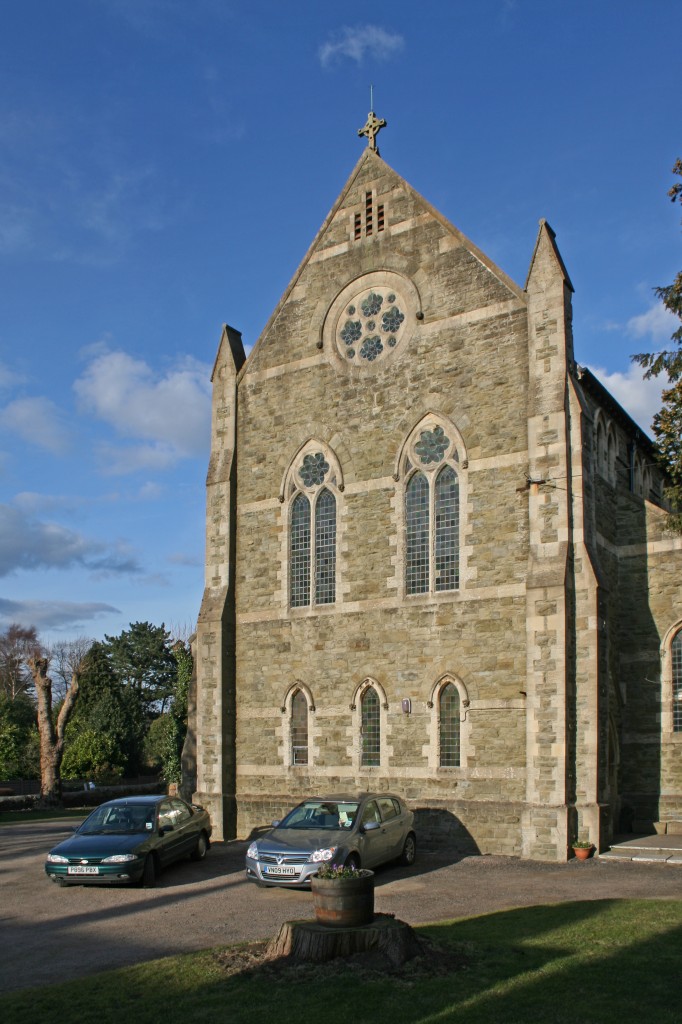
pixel 582 848
pixel 343 896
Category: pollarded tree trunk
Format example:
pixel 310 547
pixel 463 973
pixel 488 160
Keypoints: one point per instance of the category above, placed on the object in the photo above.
pixel 51 734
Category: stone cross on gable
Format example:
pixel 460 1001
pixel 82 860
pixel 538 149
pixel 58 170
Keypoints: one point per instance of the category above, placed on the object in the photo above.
pixel 372 129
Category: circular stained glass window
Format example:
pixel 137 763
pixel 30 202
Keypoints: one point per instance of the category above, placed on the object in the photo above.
pixel 371 325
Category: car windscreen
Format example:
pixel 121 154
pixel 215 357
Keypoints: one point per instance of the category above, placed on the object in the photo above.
pixel 321 814
pixel 121 818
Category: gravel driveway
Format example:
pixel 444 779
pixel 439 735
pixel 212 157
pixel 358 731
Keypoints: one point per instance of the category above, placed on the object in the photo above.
pixel 52 934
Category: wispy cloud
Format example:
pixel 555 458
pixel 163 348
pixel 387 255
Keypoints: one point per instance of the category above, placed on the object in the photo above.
pixel 169 414
pixel 38 421
pixel 62 201
pixel 359 43
pixel 640 398
pixel 31 544
pixel 182 558
pixel 8 377
pixel 52 614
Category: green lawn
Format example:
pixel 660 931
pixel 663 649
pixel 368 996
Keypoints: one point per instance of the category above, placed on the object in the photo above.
pixel 607 962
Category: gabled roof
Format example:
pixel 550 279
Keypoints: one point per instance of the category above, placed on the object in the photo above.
pixel 382 168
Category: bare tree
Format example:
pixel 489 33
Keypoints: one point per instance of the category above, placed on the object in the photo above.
pixel 51 733
pixel 17 645
pixel 65 658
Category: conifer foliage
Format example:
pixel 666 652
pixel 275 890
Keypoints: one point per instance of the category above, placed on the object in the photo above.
pixel 668 422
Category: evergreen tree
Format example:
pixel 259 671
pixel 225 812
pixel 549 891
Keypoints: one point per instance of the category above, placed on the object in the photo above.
pixel 668 422
pixel 142 661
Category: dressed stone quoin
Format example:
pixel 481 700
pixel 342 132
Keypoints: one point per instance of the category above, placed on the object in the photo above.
pixel 437 560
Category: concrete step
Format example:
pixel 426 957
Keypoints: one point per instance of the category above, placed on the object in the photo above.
pixel 656 849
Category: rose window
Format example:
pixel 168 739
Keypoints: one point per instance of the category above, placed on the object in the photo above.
pixel 313 469
pixel 371 325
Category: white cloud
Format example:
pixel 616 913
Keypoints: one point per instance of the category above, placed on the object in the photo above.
pixel 640 398
pixel 657 324
pixel 30 544
pixel 170 415
pixel 359 42
pixel 51 614
pixel 38 421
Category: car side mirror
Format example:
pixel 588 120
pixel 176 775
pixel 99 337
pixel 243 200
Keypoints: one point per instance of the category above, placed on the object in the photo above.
pixel 370 826
pixel 275 823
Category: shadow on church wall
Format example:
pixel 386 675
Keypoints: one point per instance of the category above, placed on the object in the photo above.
pixel 635 671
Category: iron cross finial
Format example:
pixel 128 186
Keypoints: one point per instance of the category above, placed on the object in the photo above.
pixel 371 130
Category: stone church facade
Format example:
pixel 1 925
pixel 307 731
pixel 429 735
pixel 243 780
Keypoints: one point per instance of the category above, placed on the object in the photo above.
pixel 437 560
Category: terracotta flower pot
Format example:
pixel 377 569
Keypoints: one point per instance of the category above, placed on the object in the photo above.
pixel 344 902
pixel 582 852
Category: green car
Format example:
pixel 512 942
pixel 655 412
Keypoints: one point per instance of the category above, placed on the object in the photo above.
pixel 129 840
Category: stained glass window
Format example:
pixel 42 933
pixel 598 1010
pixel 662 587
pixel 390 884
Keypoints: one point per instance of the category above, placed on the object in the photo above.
pixel 299 728
pixel 299 557
pixel 432 532
pixel 417 529
pixel 446 544
pixel 449 726
pixel 371 728
pixel 676 653
pixel 325 548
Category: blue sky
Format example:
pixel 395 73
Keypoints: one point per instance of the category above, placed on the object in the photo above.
pixel 164 165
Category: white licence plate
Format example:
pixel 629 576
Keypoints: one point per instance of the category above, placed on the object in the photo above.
pixel 81 870
pixel 280 870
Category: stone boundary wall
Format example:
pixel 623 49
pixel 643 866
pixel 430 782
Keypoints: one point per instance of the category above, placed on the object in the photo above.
pixel 81 798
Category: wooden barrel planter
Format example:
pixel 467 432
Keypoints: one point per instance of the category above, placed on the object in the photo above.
pixel 344 902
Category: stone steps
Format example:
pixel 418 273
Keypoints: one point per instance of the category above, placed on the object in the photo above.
pixel 656 849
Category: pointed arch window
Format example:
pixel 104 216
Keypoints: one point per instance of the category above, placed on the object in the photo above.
pixel 676 658
pixel 370 728
pixel 449 726
pixel 299 728
pixel 325 548
pixel 299 562
pixel 432 531
pixel 312 533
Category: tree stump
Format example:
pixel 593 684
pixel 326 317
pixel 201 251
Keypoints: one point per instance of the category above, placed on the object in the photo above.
pixel 316 943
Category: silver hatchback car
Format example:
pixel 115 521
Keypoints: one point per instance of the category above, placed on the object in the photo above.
pixel 365 830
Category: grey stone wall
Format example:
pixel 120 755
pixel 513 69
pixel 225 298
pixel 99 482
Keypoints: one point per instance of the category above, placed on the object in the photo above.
pixel 568 582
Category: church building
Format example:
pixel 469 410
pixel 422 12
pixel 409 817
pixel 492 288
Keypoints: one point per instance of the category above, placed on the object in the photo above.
pixel 437 555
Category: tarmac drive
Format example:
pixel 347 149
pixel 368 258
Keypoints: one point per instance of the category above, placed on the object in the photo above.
pixel 50 934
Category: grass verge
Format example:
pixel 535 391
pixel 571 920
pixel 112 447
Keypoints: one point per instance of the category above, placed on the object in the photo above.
pixel 604 962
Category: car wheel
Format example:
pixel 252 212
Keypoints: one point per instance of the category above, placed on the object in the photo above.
pixel 353 861
pixel 61 882
pixel 201 849
pixel 149 873
pixel 409 853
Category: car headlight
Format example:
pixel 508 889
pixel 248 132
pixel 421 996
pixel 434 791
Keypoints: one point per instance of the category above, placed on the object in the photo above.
pixel 252 852
pixel 119 858
pixel 56 858
pixel 319 855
